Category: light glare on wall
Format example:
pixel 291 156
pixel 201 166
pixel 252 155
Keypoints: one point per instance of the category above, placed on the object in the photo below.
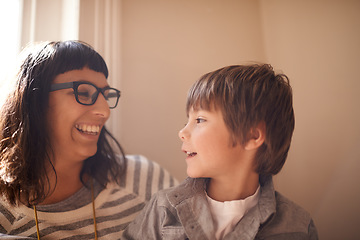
pixel 10 23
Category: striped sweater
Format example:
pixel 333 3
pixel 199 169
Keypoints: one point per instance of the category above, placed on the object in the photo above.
pixel 115 207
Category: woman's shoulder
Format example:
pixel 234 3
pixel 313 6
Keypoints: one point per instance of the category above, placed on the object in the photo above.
pixel 144 166
pixel 139 159
pixel 145 176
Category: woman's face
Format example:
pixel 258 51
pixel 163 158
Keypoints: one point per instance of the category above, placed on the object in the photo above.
pixel 74 129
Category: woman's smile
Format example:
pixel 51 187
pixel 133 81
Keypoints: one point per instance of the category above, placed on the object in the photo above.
pixel 88 129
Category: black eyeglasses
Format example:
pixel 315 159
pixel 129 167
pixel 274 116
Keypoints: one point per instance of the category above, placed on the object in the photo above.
pixel 87 93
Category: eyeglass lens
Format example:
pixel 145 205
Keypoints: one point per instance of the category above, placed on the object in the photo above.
pixel 87 94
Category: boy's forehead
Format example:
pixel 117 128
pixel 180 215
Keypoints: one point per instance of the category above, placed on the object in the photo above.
pixel 199 108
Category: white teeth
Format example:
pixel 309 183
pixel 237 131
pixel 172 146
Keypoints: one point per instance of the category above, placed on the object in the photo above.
pixel 95 129
pixel 190 154
pixel 89 129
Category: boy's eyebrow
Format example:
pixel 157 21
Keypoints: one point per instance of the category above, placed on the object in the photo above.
pixel 199 111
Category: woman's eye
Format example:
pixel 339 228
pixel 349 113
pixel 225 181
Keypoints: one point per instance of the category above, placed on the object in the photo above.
pixel 83 94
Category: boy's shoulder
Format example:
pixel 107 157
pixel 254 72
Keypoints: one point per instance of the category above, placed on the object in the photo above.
pixel 289 220
pixel 286 206
pixel 175 195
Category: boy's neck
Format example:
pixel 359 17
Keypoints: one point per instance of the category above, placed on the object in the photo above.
pixel 227 189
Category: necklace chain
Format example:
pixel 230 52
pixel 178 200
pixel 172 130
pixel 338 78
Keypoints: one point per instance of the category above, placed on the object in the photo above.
pixel 93 208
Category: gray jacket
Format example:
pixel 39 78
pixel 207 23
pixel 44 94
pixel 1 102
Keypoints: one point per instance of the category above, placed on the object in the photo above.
pixel 183 212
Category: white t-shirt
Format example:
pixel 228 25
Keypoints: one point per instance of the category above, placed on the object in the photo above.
pixel 227 214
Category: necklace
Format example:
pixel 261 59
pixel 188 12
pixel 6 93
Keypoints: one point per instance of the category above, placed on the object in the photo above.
pixel 93 210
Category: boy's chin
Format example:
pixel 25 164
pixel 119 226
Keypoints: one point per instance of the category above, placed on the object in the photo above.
pixel 194 174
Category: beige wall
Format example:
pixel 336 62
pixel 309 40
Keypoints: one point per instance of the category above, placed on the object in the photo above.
pixel 168 45
pixel 159 48
pixel 317 43
pixel 44 20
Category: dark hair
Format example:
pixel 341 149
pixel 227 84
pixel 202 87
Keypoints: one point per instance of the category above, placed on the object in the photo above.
pixel 248 95
pixel 24 139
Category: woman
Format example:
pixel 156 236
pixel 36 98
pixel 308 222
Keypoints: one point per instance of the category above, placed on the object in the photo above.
pixel 60 176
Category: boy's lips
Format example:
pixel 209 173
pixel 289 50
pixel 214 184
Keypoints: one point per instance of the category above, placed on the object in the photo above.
pixel 190 154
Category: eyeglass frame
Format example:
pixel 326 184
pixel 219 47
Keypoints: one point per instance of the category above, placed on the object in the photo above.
pixel 74 85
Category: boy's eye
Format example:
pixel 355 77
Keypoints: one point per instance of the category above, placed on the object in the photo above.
pixel 200 120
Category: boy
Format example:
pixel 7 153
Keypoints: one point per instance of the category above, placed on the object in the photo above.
pixel 240 124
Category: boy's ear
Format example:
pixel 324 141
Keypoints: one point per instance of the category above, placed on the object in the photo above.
pixel 256 136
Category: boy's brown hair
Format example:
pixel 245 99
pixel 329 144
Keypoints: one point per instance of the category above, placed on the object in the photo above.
pixel 248 95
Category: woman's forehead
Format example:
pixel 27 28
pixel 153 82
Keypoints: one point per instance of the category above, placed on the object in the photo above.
pixel 85 74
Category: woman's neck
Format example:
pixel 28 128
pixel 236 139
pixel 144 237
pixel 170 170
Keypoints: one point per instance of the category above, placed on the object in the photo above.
pixel 63 184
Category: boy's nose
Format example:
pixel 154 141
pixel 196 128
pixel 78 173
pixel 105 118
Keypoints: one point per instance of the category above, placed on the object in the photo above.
pixel 183 134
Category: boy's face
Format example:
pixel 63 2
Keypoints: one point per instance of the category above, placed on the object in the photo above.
pixel 207 143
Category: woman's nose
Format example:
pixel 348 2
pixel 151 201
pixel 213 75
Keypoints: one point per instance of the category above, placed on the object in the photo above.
pixel 101 107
